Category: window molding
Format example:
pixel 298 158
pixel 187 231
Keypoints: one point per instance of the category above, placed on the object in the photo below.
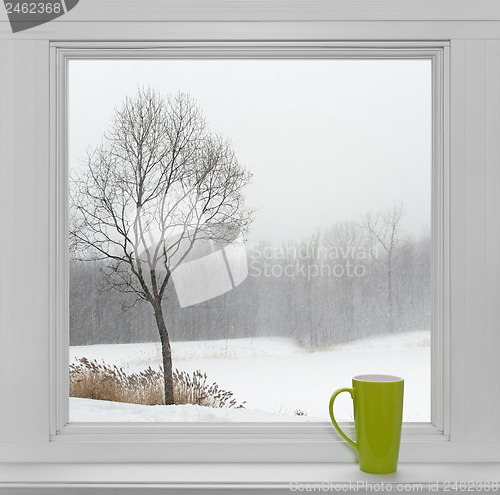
pixel 27 175
pixel 440 235
pixel 281 10
pixel 317 442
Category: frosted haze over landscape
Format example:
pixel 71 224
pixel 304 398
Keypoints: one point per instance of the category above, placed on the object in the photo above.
pixel 338 250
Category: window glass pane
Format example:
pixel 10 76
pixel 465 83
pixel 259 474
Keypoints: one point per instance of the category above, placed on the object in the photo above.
pixel 268 219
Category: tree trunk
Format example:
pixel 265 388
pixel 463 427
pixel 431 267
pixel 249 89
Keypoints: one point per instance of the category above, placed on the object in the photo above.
pixel 391 305
pixel 166 354
pixel 312 339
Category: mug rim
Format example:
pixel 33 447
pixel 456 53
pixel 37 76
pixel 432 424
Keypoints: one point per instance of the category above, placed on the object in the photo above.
pixel 377 378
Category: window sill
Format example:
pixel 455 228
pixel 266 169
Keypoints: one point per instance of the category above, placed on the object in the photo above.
pixel 106 476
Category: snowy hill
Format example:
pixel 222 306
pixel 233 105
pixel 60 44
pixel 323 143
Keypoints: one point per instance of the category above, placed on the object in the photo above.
pixel 273 375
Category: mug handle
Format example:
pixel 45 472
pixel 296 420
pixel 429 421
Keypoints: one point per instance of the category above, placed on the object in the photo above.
pixel 342 434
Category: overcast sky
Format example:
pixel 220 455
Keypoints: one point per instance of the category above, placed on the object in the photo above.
pixel 326 140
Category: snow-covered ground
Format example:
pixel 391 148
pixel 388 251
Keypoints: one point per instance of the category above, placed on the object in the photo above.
pixel 273 375
pixel 100 410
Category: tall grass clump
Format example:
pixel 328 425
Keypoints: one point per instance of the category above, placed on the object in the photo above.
pixel 93 380
pixel 195 390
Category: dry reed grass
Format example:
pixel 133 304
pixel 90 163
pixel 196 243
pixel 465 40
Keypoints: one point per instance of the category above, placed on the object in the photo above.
pixel 92 380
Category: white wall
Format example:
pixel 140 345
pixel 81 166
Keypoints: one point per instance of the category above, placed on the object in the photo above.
pixel 26 246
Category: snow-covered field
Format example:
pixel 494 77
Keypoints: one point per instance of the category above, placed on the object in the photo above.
pixel 273 375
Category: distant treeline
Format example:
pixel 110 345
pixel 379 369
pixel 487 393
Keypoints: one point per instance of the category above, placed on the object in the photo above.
pixel 338 285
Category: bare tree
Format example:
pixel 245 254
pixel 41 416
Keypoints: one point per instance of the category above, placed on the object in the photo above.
pixel 159 183
pixel 344 241
pixel 384 231
pixel 310 257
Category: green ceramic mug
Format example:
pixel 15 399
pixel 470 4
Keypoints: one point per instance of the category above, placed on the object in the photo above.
pixel 378 415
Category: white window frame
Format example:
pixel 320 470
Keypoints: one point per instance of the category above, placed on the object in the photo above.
pixel 36 445
pixel 319 440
